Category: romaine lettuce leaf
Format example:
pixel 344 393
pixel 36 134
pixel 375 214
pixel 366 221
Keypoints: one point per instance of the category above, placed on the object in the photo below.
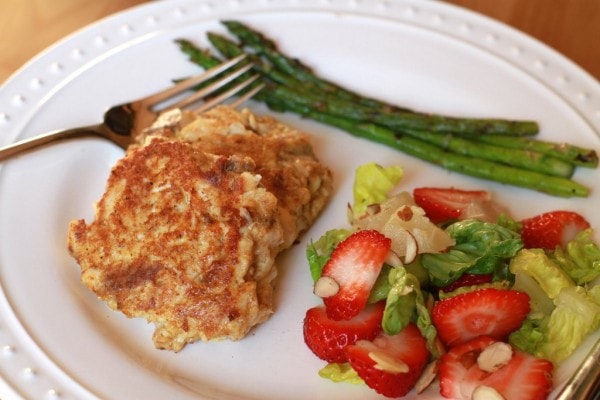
pixel 405 303
pixel 340 373
pixel 382 286
pixel 508 222
pixel 581 258
pixel 372 184
pixel 576 315
pixel 563 314
pixel 317 253
pixel 481 248
pixel 536 263
pixel 531 335
pixel 400 305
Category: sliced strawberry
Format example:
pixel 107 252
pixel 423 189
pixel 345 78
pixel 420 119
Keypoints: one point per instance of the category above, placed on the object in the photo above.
pixel 522 377
pixel 390 365
pixel 443 204
pixel 467 280
pixel 456 363
pixel 328 338
pixel 492 312
pixel 551 229
pixel 352 270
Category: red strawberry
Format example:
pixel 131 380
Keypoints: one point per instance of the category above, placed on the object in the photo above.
pixel 328 338
pixel 551 229
pixel 390 365
pixel 492 312
pixel 352 270
pixel 523 377
pixel 467 280
pixel 443 204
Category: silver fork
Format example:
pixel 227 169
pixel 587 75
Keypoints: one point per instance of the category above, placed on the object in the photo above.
pixel 122 123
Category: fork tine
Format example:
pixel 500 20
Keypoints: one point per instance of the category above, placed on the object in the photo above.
pixel 230 93
pixel 211 88
pixel 246 96
pixel 193 81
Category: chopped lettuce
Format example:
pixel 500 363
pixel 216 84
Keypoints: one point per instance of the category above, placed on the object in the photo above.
pixel 530 336
pixel 340 373
pixel 576 315
pixel 372 184
pixel 405 303
pixel 563 314
pixel 481 248
pixel 424 322
pixel 555 337
pixel 536 264
pixel 317 253
pixel 400 306
pixel 507 221
pixel 580 259
pixel 382 286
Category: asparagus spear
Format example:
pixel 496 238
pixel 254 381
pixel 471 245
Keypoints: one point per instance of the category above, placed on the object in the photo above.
pixel 526 159
pixel 262 45
pixel 538 156
pixel 474 166
pixel 557 186
pixel 307 95
pixel 392 119
pixel 289 66
pixel 576 155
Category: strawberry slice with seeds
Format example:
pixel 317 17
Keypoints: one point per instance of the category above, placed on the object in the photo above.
pixel 522 377
pixel 444 204
pixel 551 229
pixel 492 312
pixel 390 365
pixel 328 338
pixel 351 272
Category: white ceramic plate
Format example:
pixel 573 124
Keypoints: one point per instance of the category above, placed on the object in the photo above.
pixel 58 342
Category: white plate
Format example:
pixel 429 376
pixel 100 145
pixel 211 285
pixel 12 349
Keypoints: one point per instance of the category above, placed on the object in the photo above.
pixel 58 342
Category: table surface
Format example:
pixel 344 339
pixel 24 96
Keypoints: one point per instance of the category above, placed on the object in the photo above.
pixel 572 27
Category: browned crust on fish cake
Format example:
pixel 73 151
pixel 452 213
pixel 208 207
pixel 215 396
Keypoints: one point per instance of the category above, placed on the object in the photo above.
pixel 192 219
pixel 186 240
pixel 284 158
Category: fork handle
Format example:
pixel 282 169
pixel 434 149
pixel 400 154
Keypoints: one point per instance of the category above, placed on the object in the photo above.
pixel 41 140
pixel 586 380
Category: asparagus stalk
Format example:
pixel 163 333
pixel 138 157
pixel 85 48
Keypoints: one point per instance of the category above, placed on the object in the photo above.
pixel 480 168
pixel 290 66
pixel 576 155
pixel 438 150
pixel 396 120
pixel 262 45
pixel 526 159
pixel 545 157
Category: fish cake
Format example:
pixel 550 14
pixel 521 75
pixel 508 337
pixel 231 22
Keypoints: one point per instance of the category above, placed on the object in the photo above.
pixel 187 232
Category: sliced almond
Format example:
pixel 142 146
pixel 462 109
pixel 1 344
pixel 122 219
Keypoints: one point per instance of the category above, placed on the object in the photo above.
pixel 412 249
pixel 428 375
pixel 384 362
pixel 486 393
pixel 494 357
pixel 326 286
pixel 393 260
